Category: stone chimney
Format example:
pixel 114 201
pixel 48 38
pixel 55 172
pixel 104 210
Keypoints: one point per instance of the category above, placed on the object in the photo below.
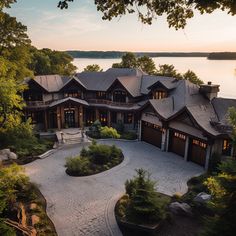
pixel 209 90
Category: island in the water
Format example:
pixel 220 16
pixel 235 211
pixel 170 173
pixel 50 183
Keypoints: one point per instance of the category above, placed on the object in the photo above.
pixel 119 54
pixel 222 56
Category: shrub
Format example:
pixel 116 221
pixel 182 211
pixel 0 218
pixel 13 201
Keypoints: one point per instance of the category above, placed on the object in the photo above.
pixel 145 205
pixel 214 162
pixel 78 165
pixel 100 154
pixel 129 135
pixel 109 132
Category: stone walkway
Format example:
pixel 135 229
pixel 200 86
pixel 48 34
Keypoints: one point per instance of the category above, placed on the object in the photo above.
pixel 84 205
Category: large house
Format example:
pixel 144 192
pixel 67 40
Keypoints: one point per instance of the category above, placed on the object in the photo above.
pixel 174 115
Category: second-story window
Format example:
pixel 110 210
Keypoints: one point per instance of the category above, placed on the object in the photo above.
pixel 33 96
pixel 159 94
pixel 73 94
pixel 119 96
pixel 101 95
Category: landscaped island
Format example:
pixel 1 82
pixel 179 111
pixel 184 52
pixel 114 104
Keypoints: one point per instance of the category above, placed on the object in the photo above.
pixel 97 158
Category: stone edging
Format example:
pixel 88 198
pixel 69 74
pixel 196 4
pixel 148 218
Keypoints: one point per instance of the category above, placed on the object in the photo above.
pixel 47 153
pixel 112 139
pixel 110 218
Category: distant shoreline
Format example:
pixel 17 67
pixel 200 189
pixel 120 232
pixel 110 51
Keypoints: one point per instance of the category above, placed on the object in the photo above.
pixel 119 54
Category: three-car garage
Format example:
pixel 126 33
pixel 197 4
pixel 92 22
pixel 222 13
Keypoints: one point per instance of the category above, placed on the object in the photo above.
pixel 192 148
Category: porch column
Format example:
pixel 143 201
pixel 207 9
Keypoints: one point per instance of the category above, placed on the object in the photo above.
pixel 208 155
pixel 45 120
pixel 186 148
pixel 167 140
pixel 163 140
pixel 81 122
pixel 96 114
pixel 139 130
pixel 58 118
pixel 109 118
pixel 126 99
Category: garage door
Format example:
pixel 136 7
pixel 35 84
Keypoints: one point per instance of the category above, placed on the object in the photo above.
pixel 197 152
pixel 151 133
pixel 177 143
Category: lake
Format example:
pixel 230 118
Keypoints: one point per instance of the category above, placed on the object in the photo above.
pixel 222 72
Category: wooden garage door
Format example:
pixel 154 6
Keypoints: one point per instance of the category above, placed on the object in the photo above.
pixel 198 151
pixel 177 143
pixel 151 133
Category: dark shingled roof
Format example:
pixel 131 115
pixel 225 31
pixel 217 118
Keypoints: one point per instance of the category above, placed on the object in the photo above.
pixel 51 83
pixel 182 95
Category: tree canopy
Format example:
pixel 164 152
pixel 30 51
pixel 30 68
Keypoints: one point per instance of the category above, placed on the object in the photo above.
pixel 47 61
pixel 177 12
pixel 93 68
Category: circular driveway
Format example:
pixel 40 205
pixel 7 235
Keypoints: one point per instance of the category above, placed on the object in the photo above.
pixel 84 205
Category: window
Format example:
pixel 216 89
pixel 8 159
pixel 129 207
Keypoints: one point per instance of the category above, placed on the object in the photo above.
pixel 159 94
pixel 227 147
pixel 153 126
pixel 128 118
pixel 73 94
pixel 199 143
pixel 103 117
pixel 33 96
pixel 101 95
pixel 119 96
pixel 179 135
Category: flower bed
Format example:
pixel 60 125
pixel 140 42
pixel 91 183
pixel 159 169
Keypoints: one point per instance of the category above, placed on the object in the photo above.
pixel 97 158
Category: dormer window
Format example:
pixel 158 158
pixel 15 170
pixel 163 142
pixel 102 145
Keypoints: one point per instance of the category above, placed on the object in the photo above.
pixel 101 95
pixel 159 94
pixel 119 96
pixel 73 94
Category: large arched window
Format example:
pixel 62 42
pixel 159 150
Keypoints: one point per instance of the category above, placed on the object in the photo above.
pixel 119 96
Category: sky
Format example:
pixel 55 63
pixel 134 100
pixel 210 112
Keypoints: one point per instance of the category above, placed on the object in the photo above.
pixel 81 28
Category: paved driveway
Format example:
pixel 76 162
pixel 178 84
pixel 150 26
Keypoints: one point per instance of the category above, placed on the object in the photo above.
pixel 84 205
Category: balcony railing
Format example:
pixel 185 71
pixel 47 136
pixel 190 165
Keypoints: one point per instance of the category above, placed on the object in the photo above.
pixel 110 103
pixel 94 101
pixel 37 103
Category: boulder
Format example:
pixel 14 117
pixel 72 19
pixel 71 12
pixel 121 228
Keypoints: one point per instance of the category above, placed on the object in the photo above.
pixel 180 208
pixel 5 152
pixel 3 157
pixel 12 156
pixel 202 197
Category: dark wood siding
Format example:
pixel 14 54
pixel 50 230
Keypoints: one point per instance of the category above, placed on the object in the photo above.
pixel 197 151
pixel 177 143
pixel 151 133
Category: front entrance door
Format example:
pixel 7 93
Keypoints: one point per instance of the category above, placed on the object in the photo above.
pixel 69 118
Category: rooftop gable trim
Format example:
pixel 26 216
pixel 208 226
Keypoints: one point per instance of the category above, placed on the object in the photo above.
pixel 71 80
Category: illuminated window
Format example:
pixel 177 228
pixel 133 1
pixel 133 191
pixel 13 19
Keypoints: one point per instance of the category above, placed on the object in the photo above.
pixel 227 146
pixel 101 95
pixel 199 143
pixel 179 135
pixel 73 94
pixel 159 94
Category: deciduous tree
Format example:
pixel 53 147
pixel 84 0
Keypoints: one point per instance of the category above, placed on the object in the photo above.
pixel 192 77
pixel 177 12
pixel 93 68
pixel 146 64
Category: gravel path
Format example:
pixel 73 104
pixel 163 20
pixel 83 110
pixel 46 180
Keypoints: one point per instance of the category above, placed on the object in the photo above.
pixel 84 205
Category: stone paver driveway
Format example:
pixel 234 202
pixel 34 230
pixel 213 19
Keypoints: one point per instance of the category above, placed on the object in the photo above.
pixel 84 205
